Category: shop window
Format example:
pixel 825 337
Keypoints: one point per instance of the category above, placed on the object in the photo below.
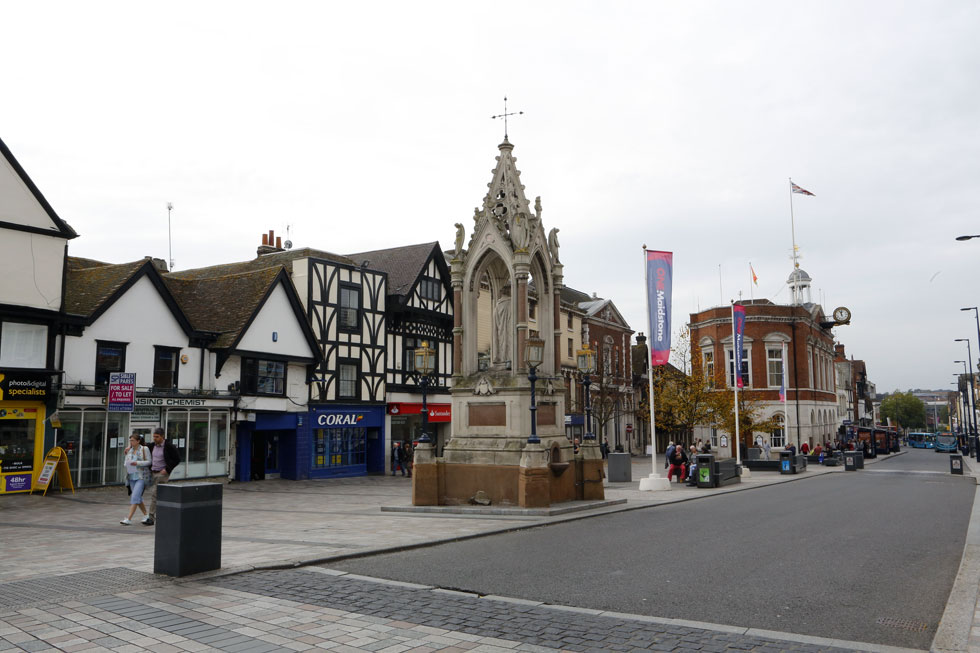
pixel 17 445
pixel 263 377
pixel 350 308
pixel 341 447
pixel 23 345
pixel 218 447
pixel 110 357
pixel 165 368
pixel 347 379
pixel 93 448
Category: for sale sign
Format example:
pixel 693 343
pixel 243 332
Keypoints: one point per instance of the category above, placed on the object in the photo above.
pixel 122 392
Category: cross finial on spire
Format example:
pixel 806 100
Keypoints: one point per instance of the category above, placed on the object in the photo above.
pixel 504 116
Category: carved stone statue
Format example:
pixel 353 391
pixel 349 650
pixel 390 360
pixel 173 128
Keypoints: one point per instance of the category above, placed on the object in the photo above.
pixel 553 244
pixel 537 207
pixel 483 387
pixel 502 331
pixel 460 234
pixel 520 234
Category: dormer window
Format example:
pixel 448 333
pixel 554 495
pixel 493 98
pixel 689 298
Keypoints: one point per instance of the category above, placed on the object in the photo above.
pixel 429 288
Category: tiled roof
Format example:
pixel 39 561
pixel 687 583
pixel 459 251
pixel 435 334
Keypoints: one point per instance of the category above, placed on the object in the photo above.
pixel 576 297
pixel 87 289
pixel 78 263
pixel 273 260
pixel 402 264
pixel 222 304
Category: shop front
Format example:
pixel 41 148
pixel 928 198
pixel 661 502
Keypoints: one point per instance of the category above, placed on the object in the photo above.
pixel 94 439
pixel 406 423
pixel 22 414
pixel 347 441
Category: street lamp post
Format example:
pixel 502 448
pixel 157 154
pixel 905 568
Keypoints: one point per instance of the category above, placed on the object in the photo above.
pixel 586 365
pixel 964 402
pixel 975 440
pixel 424 358
pixel 534 355
pixel 973 399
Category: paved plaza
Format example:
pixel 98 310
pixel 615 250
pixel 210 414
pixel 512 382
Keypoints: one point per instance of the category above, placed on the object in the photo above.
pixel 73 579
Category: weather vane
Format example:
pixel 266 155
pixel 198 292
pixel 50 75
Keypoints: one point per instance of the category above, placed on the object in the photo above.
pixel 505 114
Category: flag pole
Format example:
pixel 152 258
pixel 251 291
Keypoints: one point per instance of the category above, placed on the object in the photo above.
pixel 653 481
pixel 751 283
pixel 721 293
pixel 736 373
pixel 792 226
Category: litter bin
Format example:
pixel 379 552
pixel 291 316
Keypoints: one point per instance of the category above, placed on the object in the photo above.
pixel 705 470
pixel 956 464
pixel 787 463
pixel 850 461
pixel 188 529
pixel 620 468
pixel 859 459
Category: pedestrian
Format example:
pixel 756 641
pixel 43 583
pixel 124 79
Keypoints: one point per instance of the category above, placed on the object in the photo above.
pixel 575 446
pixel 766 449
pixel 164 458
pixel 805 448
pixel 678 463
pixel 605 447
pixel 692 460
pixel 397 459
pixel 791 449
pixel 670 451
pixel 137 464
pixel 408 453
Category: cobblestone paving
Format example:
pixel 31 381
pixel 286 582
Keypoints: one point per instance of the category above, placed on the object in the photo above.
pixel 512 623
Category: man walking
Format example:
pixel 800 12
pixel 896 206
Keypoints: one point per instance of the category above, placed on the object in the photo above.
pixel 164 458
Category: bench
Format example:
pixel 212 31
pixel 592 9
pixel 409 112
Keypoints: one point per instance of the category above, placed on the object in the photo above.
pixel 727 472
pixel 762 465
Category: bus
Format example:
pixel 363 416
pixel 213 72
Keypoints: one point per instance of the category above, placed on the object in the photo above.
pixel 946 443
pixel 922 440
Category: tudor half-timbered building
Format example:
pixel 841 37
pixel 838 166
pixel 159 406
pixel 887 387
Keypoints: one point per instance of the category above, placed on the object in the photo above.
pixel 342 432
pixel 419 310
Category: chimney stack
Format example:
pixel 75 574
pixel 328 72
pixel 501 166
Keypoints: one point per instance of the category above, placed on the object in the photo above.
pixel 267 246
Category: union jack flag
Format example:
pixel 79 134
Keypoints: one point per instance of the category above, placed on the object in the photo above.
pixel 801 191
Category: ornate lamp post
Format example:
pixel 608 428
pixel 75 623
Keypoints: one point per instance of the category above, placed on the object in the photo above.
pixel 586 365
pixel 534 355
pixel 424 358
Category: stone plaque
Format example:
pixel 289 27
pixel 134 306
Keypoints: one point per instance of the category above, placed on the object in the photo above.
pixel 546 414
pixel 488 415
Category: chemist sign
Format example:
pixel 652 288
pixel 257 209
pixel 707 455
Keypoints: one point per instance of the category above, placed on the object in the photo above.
pixel 122 392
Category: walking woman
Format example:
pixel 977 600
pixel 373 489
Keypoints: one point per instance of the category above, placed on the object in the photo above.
pixel 137 475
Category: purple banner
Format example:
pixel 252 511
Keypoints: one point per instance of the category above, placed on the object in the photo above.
pixel 660 272
pixel 738 315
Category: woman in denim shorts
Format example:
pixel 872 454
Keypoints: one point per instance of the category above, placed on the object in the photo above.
pixel 137 475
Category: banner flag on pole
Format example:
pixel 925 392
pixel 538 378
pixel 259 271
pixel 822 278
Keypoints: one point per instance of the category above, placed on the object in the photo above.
pixel 800 191
pixel 755 279
pixel 738 314
pixel 659 281
pixel 782 386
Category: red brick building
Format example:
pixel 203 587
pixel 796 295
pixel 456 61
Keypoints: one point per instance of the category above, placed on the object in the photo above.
pixel 795 340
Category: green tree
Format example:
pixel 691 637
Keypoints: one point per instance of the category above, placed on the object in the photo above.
pixel 905 409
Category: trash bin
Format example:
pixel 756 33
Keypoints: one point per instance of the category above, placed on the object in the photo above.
pixel 787 463
pixel 188 529
pixel 620 468
pixel 859 459
pixel 705 470
pixel 850 461
pixel 956 464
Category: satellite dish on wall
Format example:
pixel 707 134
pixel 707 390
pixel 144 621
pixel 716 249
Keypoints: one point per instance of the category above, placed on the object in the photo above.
pixel 288 244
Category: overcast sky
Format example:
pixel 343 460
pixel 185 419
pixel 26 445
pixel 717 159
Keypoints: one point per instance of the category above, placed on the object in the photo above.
pixel 676 125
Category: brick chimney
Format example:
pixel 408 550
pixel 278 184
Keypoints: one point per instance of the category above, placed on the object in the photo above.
pixel 270 244
pixel 839 350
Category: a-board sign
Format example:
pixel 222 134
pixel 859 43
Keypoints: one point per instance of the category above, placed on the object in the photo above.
pixel 55 462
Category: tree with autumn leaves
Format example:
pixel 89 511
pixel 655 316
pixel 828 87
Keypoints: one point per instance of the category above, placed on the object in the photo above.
pixel 683 401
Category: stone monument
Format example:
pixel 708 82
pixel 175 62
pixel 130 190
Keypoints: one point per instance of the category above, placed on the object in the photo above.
pixel 508 256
